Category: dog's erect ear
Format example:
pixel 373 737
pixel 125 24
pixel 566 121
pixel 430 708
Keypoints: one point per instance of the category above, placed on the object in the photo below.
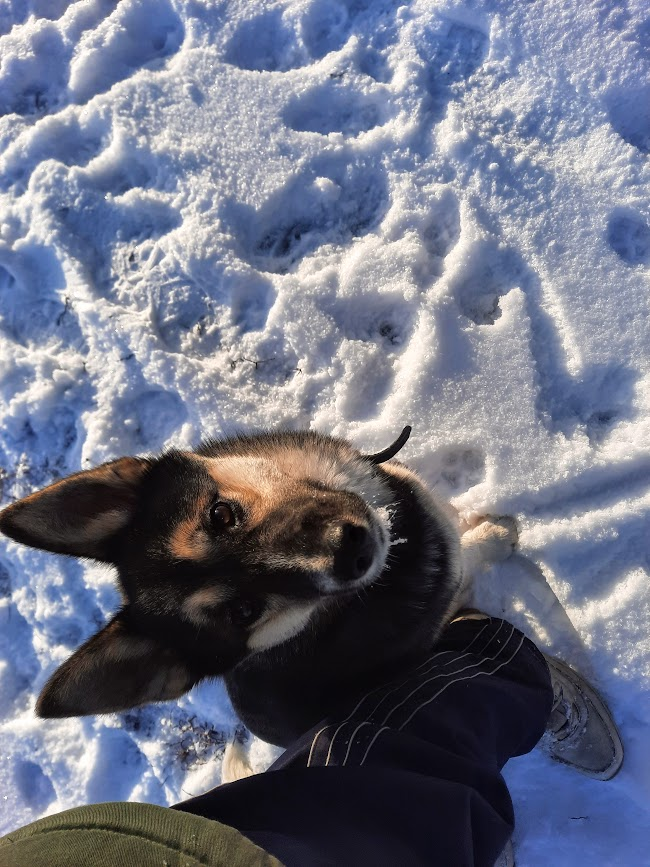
pixel 80 514
pixel 114 670
pixel 391 451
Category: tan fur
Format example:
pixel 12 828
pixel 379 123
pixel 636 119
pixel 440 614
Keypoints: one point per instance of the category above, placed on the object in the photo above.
pixel 188 540
pixel 296 561
pixel 488 542
pixel 236 764
pixel 262 484
pixel 207 597
pixel 249 475
pixel 280 626
pixel 345 473
pixel 256 483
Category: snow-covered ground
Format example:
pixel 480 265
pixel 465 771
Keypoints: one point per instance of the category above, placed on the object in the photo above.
pixel 346 215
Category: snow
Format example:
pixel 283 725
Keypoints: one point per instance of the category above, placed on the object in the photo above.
pixel 348 215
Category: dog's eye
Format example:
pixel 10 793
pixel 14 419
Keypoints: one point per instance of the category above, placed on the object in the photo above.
pixel 244 611
pixel 222 516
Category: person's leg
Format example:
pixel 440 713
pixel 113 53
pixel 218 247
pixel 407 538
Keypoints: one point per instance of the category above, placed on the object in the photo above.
pixel 409 774
pixel 129 835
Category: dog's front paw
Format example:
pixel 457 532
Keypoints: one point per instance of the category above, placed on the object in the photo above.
pixel 491 540
pixel 501 532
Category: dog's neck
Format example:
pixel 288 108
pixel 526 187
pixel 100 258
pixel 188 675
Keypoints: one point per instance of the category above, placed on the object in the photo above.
pixel 420 521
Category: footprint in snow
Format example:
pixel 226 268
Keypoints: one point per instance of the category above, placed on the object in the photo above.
pixel 488 273
pixel 439 233
pixel 329 202
pixel 266 43
pixel 134 36
pixel 379 318
pixel 629 115
pixel 43 445
pixel 20 669
pixel 596 399
pixel 33 785
pixel 153 416
pixel 102 231
pixel 68 141
pixel 126 171
pixel 114 763
pixel 182 311
pixel 336 106
pixel 368 379
pixel 458 468
pixel 450 56
pixel 327 23
pixel 33 74
pixel 251 298
pixel 5 581
pixel 31 315
pixel 273 41
pixel 43 75
pixel 628 235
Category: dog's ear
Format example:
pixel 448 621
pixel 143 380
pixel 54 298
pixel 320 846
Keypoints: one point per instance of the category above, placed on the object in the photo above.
pixel 78 515
pixel 114 670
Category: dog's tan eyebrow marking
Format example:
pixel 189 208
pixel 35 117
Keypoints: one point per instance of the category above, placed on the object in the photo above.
pixel 188 540
pixel 251 482
pixel 254 483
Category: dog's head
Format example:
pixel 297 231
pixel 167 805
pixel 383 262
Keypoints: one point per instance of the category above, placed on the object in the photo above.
pixel 220 552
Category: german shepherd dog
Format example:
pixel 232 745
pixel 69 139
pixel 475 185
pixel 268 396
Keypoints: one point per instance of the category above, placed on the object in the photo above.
pixel 292 565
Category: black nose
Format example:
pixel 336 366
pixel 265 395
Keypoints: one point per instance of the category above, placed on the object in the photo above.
pixel 354 553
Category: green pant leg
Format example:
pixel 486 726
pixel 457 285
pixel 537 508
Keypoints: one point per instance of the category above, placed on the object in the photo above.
pixel 121 834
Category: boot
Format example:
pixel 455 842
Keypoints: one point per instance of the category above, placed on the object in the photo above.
pixel 580 731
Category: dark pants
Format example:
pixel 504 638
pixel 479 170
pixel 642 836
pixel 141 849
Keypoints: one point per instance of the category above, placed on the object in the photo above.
pixel 411 773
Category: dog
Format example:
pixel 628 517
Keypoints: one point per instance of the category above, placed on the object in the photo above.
pixel 290 564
